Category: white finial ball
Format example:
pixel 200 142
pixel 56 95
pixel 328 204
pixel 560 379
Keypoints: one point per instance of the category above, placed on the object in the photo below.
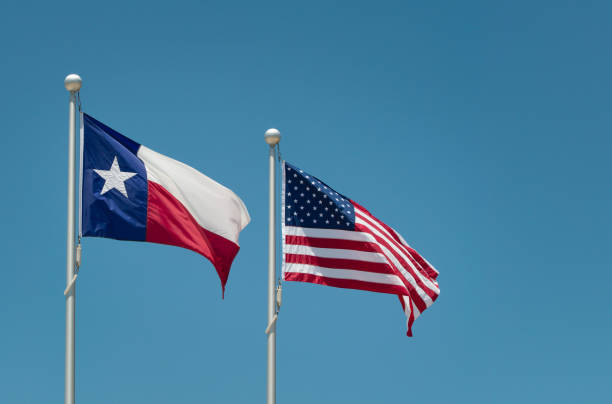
pixel 73 82
pixel 272 136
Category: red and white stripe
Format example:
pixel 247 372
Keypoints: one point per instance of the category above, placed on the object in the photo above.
pixel 373 257
pixel 185 208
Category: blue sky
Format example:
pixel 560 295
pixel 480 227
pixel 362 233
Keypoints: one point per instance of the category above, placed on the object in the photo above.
pixel 480 130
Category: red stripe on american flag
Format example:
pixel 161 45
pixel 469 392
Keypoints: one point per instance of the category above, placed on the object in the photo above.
pixel 410 316
pixel 332 243
pixel 344 283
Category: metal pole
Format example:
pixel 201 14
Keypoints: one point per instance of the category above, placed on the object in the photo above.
pixel 73 84
pixel 272 137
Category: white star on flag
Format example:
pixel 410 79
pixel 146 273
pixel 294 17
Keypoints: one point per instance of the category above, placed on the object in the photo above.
pixel 114 178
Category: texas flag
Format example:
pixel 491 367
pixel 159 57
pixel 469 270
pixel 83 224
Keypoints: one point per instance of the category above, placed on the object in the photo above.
pixel 130 192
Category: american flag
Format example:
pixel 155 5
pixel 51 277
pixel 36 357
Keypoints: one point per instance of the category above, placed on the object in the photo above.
pixel 331 240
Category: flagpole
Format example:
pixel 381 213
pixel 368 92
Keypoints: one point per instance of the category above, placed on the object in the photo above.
pixel 73 85
pixel 272 137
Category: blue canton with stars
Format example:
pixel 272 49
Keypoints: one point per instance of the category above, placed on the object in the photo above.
pixel 309 202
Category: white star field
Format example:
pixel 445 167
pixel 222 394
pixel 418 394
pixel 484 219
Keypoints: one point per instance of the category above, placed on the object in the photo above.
pixel 309 202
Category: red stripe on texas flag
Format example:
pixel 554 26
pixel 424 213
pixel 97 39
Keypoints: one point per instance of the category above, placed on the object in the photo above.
pixel 169 222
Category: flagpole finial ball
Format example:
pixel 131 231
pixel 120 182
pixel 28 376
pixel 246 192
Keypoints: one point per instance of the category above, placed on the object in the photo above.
pixel 73 82
pixel 272 136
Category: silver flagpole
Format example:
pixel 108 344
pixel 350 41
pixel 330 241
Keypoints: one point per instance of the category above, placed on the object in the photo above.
pixel 272 137
pixel 73 84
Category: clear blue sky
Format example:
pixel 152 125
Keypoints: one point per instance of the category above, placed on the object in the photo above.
pixel 480 130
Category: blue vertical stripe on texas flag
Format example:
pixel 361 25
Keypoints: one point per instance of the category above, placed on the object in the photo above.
pixel 111 214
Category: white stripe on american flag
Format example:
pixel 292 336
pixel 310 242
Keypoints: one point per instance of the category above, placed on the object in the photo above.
pixel 326 233
pixel 355 275
pixel 334 253
pixel 411 311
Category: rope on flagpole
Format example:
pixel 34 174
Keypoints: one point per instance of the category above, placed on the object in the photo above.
pixel 70 285
pixel 78 256
pixel 279 301
pixel 279 152
pixel 77 262
pixel 78 97
pixel 80 185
